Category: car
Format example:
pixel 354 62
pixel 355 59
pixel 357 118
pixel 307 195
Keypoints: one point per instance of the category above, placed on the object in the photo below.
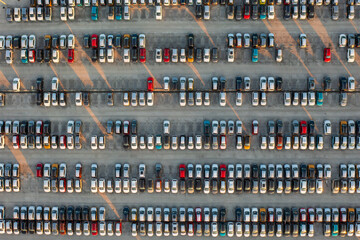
pixel 302 40
pixel 350 56
pixel 94 13
pixel 255 55
pixel 327 55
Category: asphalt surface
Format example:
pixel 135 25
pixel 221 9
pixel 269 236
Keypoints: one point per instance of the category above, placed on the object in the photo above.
pixel 298 64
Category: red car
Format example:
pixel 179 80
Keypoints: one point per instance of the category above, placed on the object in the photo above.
pixel 286 2
pixel 71 55
pixel 303 128
pixel 94 228
pixel 94 41
pixel 32 55
pixel 62 228
pixel 279 142
pixel 182 171
pixel 150 84
pixel 327 55
pixel 166 55
pixel 247 11
pixel 142 54
pixel 39 170
pixel 222 171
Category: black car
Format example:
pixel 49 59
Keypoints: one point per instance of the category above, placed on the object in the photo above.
pixel 47 127
pixel 255 171
pixel 222 215
pixel 47 13
pixel 198 185
pixel 175 83
pixel 158 170
pixel 327 84
pixel 279 127
pixel 230 12
pixel 126 212
pixel 182 186
pixel 134 41
pixel 238 12
pixel 311 127
pixel 206 2
pixel 31 141
pixel 78 211
pixel 239 185
pixel 40 55
pixel 214 2
pixel 94 55
pixel 199 56
pixel 294 215
pixel 214 186
pixel 287 229
pixel 16 42
pixel 47 55
pixel 311 12
pixel 62 213
pixel 303 171
pixel 167 141
pixel 39 84
pixel 271 186
pixel 134 55
pixel 85 214
pixel 24 227
pixel 134 127
pixel 87 41
pixel 55 41
pixel 278 83
pixel 23 127
pixel 215 55
pixel 295 185
pixel 238 83
pixel 190 185
pixel 295 229
pixel 199 11
pixel 255 40
pixel 255 12
pixel 247 185
pixel 343 83
pixel 39 98
pixel 111 11
pixel 222 84
pixel 117 42
pixel 222 2
pixel 287 12
pixel 142 186
pixel 31 127
pixel 191 40
pixel 126 141
pixel 357 40
pixel 238 215
pixel 270 2
pixel 86 99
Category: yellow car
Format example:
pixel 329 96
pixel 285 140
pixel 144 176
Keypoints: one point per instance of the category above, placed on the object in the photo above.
pixel 47 141
pixel 343 127
pixel 190 56
pixel 262 2
pixel 247 142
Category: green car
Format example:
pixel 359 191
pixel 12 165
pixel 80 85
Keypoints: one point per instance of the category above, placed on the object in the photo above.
pixel 334 229
pixel 158 142
pixel 319 98
pixel 255 55
pixel 94 13
pixel 118 13
pixel 24 56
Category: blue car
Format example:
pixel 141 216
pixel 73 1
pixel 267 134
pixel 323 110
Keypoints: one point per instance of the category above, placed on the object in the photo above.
pixel 24 56
pixel 158 142
pixel 207 127
pixel 255 55
pixel 118 13
pixel 319 98
pixel 94 13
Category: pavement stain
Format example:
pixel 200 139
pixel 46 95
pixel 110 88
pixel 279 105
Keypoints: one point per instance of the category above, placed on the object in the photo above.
pixel 4 81
pixel 19 157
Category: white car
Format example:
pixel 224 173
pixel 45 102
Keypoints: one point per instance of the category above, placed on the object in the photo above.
pixel 71 41
pixel 142 41
pixel 342 40
pixel 126 55
pixel 158 54
pixel 231 55
pixel 16 84
pixel 158 12
pixel 327 127
pixel 350 56
pixel 222 97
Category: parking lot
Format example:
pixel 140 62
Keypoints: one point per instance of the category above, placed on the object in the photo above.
pixel 101 78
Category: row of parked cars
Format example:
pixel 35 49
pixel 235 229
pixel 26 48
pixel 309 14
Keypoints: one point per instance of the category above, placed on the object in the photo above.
pixel 248 222
pixel 59 220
